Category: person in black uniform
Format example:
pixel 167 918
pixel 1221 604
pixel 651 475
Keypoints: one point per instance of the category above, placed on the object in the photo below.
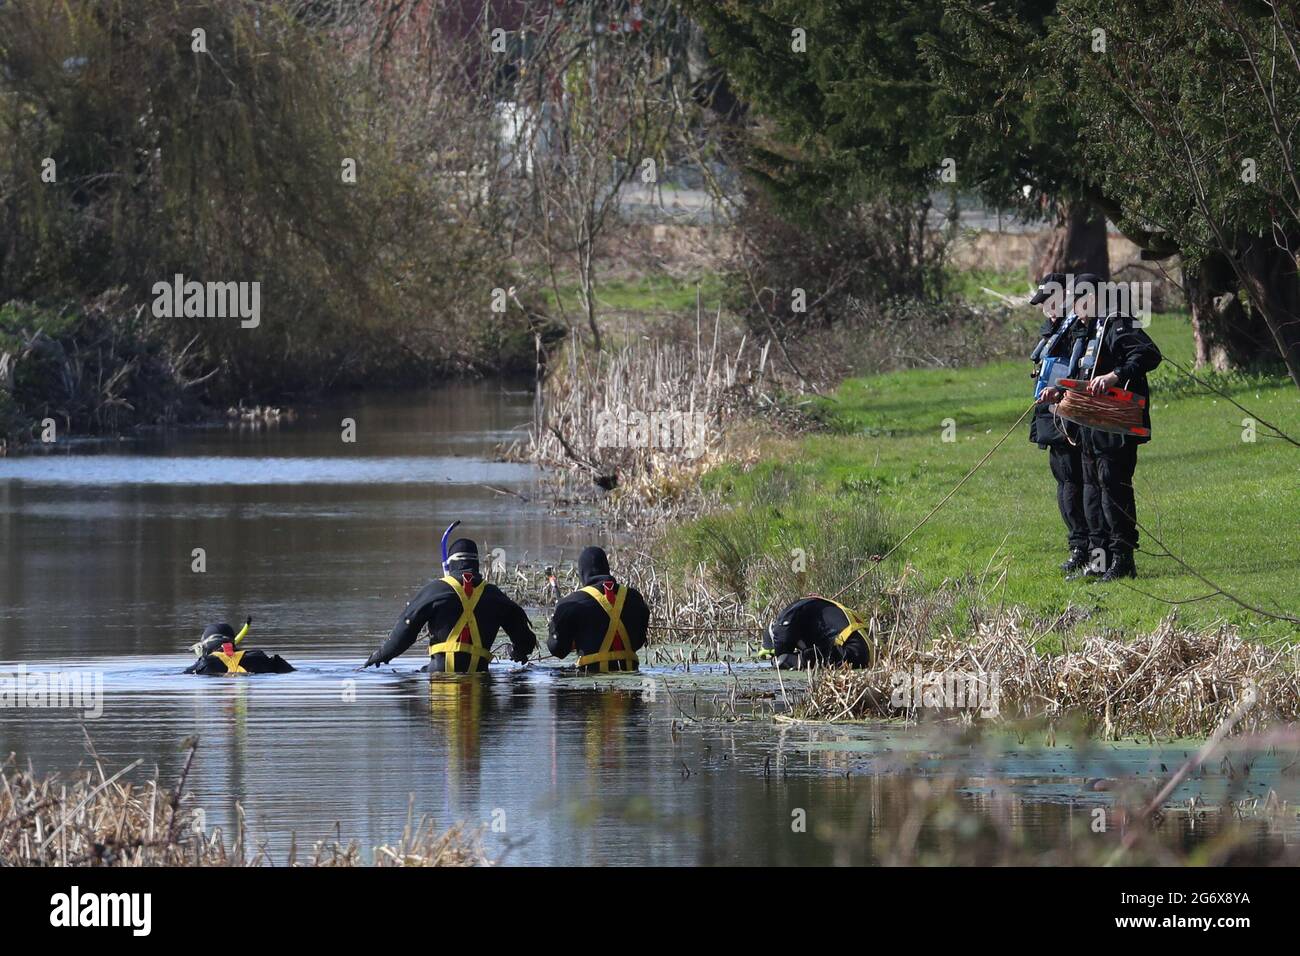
pixel 463 615
pixel 1115 354
pixel 818 630
pixel 1054 360
pixel 221 657
pixel 606 622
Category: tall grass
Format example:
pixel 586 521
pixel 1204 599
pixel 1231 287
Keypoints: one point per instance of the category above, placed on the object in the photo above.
pixel 1175 681
pixel 790 541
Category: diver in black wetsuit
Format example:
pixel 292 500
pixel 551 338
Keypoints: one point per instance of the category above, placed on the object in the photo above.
pixel 604 620
pixel 818 630
pixel 218 654
pixel 463 614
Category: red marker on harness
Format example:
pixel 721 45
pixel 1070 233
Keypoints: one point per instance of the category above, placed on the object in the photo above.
pixel 609 587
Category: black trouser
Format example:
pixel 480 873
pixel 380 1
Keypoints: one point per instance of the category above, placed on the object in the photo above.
pixel 1108 494
pixel 1067 469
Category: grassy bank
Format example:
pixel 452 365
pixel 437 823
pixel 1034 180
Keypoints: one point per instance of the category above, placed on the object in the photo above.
pixel 1226 506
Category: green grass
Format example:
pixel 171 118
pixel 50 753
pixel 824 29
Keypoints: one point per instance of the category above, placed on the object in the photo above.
pixel 647 293
pixel 1226 506
pixel 969 284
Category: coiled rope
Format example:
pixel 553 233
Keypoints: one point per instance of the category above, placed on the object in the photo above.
pixel 1098 411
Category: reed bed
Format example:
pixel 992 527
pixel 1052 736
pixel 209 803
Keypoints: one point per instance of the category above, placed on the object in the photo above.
pixel 94 818
pixel 645 420
pixel 1171 682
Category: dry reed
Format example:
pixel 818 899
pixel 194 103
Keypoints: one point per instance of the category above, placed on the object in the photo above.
pixel 1171 682
pixel 98 819
pixel 647 419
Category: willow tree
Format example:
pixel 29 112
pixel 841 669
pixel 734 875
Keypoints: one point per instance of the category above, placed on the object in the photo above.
pixel 234 141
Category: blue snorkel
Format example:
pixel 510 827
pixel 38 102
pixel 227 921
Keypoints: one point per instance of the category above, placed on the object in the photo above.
pixel 451 527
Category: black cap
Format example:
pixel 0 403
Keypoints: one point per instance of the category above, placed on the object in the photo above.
pixel 1048 284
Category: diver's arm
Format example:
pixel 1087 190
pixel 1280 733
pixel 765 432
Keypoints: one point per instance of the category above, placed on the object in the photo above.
pixel 559 640
pixel 514 621
pixel 636 617
pixel 406 630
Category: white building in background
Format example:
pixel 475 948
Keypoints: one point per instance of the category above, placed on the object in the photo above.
pixel 525 135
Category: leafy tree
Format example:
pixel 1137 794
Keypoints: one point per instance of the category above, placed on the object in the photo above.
pixel 1141 110
pixel 221 156
pixel 1195 105
pixel 888 96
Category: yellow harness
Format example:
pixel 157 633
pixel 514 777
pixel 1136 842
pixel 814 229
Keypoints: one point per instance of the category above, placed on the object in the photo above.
pixel 463 638
pixel 606 654
pixel 855 626
pixel 231 661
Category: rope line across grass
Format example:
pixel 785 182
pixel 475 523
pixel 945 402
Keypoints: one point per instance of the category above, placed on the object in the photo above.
pixel 878 560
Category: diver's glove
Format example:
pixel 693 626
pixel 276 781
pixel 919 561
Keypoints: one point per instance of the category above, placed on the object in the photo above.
pixel 765 654
pixel 375 660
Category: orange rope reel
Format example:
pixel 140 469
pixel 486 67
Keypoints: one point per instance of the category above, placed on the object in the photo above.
pixel 1115 410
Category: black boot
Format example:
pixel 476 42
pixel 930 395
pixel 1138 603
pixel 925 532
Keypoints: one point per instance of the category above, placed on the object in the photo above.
pixel 1096 566
pixel 1121 567
pixel 1075 566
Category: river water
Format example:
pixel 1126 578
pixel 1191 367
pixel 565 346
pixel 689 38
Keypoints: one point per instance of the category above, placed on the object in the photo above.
pixel 322 541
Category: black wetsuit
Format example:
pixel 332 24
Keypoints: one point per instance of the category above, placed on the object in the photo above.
pixel 580 623
pixel 240 662
pixel 807 632
pixel 439 606
pixel 1064 454
pixel 1109 460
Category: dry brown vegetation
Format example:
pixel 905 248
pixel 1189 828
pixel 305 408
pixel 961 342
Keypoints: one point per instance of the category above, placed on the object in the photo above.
pixel 93 818
pixel 646 419
pixel 1172 682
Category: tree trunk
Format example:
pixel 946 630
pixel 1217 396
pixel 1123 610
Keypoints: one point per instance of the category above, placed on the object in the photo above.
pixel 1270 279
pixel 1077 244
pixel 1226 334
pixel 587 281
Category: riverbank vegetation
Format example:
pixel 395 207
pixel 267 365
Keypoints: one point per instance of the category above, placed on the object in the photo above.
pixel 1172 682
pixel 98 818
pixel 358 187
pixel 1214 490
